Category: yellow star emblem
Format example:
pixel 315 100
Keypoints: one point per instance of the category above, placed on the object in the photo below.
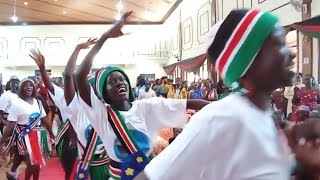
pixel 81 175
pixel 139 159
pixel 129 172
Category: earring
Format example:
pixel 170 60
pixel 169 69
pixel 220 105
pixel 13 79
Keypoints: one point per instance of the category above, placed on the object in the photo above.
pixel 248 86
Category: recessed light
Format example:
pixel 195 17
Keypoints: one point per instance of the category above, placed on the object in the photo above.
pixel 119 5
pixel 25 3
pixel 14 18
pixel 64 12
pixel 55 0
pixel 118 17
pixel 147 14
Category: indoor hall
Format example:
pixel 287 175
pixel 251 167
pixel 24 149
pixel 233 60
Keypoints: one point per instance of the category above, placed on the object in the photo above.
pixel 166 56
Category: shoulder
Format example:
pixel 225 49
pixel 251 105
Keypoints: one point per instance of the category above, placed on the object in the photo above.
pixel 6 94
pixel 227 112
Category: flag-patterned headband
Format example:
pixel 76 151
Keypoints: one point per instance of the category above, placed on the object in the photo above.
pixel 238 40
pixel 91 79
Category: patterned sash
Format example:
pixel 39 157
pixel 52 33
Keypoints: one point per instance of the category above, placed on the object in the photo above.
pixel 136 160
pixel 83 165
pixel 28 139
pixel 86 156
pixel 21 131
pixel 63 129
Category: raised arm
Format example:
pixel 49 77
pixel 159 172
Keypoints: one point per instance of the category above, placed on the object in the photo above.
pixel 84 68
pixel 69 86
pixel 40 61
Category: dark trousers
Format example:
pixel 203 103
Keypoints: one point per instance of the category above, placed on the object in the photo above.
pixel 68 158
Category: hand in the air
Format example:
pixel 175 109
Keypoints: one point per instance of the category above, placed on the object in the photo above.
pixel 37 57
pixel 87 44
pixel 115 31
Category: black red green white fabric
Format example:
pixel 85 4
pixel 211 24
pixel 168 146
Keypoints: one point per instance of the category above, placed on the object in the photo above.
pixel 237 41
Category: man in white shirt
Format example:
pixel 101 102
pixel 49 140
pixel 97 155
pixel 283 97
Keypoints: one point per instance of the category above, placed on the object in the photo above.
pixel 236 138
pixel 147 92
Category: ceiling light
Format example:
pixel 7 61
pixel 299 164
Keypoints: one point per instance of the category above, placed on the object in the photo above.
pixel 118 17
pixel 64 12
pixel 119 5
pixel 55 0
pixel 26 3
pixel 147 14
pixel 14 18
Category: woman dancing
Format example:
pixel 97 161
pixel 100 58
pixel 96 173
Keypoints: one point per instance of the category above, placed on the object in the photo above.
pixel 127 127
pixel 94 161
pixel 27 117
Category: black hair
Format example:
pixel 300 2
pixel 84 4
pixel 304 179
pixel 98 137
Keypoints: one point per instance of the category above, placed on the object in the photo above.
pixel 312 78
pixel 7 88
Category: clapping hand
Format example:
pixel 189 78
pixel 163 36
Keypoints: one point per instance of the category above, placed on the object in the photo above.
pixel 37 57
pixel 87 44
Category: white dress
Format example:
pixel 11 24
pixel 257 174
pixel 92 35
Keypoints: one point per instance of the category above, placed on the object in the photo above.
pixel 227 140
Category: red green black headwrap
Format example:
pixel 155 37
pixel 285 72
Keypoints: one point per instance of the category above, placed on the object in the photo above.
pixel 237 41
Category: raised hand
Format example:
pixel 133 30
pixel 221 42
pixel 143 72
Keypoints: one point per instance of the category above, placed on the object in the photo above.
pixel 87 44
pixel 37 57
pixel 115 31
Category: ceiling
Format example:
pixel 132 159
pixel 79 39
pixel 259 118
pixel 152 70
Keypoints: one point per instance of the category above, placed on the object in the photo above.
pixel 33 12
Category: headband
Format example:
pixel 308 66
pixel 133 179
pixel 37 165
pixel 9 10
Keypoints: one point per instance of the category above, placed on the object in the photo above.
pixel 25 80
pixel 237 41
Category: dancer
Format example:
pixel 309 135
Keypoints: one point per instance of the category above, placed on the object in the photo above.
pixel 6 100
pixel 236 138
pixel 66 140
pixel 26 117
pixel 127 127
pixel 93 159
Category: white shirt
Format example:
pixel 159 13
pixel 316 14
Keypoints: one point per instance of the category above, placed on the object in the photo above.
pixel 74 113
pixel 144 119
pixel 227 140
pixel 81 124
pixel 59 100
pixel 6 100
pixel 146 95
pixel 24 113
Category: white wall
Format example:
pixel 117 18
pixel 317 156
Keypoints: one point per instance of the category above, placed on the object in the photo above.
pixel 145 44
pixel 281 8
pixel 315 11
pixel 192 17
pixel 196 22
pixel 133 70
